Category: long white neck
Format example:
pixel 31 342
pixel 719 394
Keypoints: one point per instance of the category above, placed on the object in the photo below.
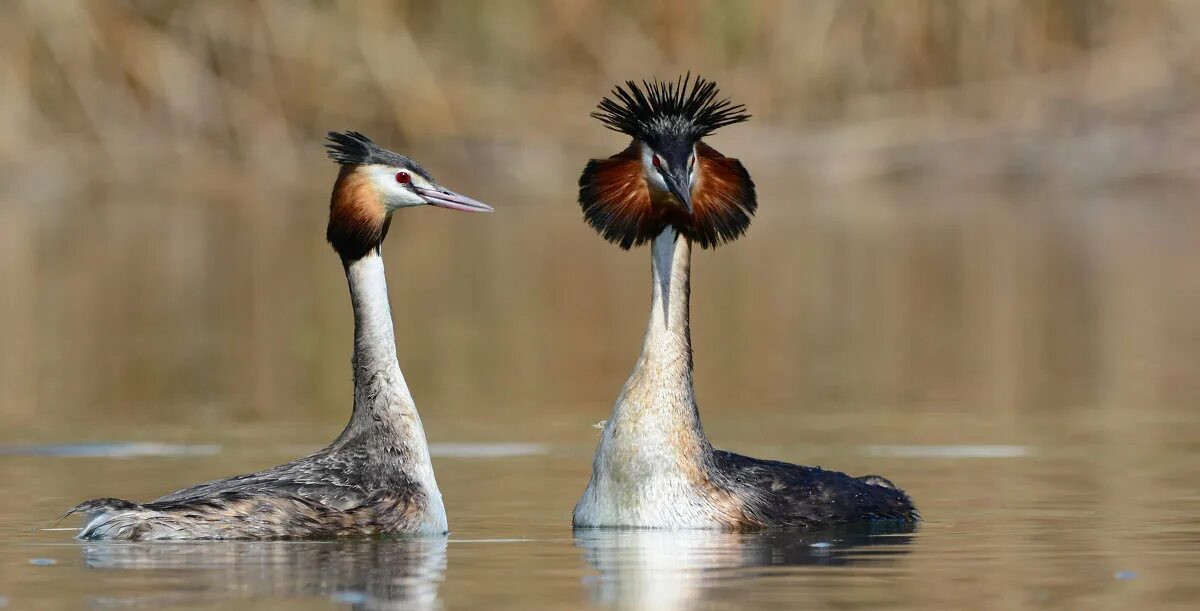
pixel 657 407
pixel 652 466
pixel 385 418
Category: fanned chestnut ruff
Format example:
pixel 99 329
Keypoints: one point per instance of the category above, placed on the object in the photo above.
pixel 616 200
pixel 723 199
pixel 614 193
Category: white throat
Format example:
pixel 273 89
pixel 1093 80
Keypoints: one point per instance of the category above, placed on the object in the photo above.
pixel 374 340
pixel 385 416
pixel 650 467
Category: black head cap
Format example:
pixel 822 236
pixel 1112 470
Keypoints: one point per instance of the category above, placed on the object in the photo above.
pixel 353 148
pixel 661 112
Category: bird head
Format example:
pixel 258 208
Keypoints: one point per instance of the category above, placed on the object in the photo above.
pixel 667 174
pixel 372 184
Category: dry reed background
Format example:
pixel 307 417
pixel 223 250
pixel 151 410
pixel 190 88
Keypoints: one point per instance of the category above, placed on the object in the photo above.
pixel 986 207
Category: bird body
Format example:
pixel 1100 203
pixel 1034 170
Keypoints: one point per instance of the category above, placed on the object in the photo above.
pixel 376 477
pixel 650 469
pixel 654 466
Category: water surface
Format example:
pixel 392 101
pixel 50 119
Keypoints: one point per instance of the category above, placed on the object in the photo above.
pixel 1023 364
pixel 1077 525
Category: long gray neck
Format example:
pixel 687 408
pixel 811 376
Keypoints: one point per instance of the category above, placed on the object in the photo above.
pixel 658 405
pixel 383 407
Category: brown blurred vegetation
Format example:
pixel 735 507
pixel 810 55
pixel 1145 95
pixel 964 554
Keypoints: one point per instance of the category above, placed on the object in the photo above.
pixel 985 204
pixel 132 88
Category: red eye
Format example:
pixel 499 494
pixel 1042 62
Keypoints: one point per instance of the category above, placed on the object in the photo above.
pixel 403 178
pixel 656 163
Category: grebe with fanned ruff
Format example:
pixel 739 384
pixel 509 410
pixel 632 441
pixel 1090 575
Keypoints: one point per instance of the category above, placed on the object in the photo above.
pixel 654 467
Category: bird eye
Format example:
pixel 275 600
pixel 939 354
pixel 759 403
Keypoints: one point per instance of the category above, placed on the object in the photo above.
pixel 403 178
pixel 657 163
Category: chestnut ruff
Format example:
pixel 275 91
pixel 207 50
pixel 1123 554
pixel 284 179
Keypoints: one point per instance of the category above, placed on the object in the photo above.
pixel 613 193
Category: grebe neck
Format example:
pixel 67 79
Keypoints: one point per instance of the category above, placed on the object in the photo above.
pixel 384 410
pixel 653 466
pixel 658 403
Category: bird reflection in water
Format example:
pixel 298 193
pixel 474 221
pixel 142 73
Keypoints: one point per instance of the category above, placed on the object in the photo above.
pixel 366 574
pixel 671 569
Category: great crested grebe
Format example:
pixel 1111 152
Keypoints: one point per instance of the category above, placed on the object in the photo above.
pixel 376 477
pixel 655 468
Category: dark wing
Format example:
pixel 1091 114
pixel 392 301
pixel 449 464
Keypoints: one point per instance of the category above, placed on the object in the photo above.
pixel 335 479
pixel 783 494
pixel 326 494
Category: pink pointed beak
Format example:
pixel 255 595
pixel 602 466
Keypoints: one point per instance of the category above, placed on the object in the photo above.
pixel 445 198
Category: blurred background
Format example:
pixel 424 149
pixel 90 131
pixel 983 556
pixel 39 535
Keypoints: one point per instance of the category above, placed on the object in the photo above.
pixel 977 229
pixel 983 210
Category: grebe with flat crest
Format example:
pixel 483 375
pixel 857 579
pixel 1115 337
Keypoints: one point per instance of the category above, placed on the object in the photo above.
pixel 376 477
pixel 654 467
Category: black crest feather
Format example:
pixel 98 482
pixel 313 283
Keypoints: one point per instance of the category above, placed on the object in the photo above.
pixel 353 148
pixel 684 107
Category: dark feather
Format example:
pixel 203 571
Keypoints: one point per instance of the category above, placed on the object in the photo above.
pixel 682 108
pixel 353 148
pixel 724 201
pixel 616 202
pixel 350 148
pixel 355 489
pixel 780 494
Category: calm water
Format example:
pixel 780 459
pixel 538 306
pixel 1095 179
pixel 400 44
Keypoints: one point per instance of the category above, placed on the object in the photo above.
pixel 1094 522
pixel 1024 365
